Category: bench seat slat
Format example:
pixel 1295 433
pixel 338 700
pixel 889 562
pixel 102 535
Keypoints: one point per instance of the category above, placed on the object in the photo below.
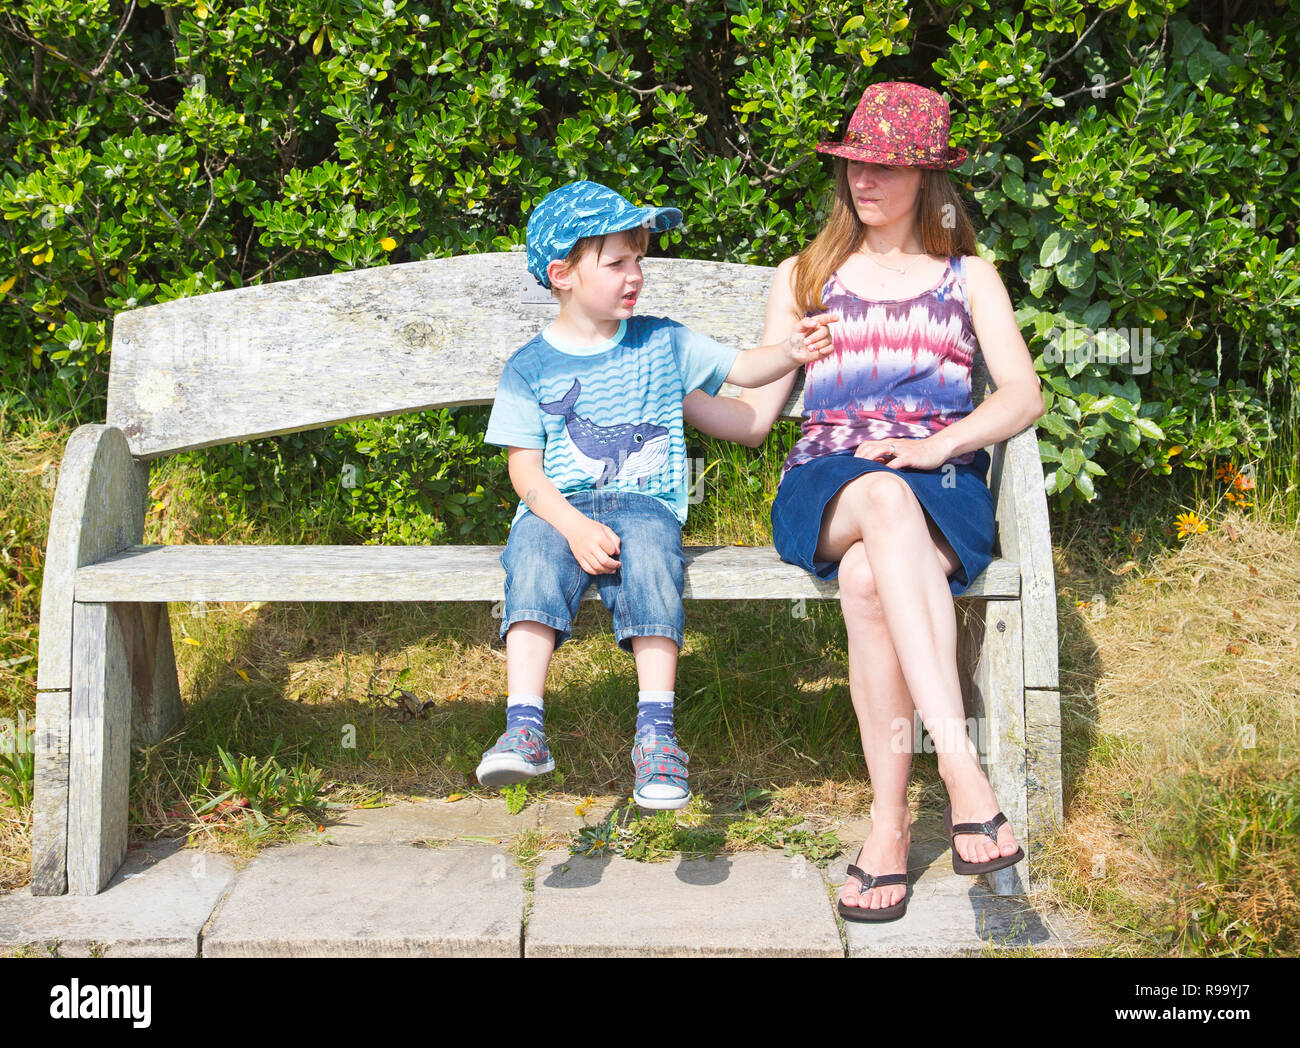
pixel 425 573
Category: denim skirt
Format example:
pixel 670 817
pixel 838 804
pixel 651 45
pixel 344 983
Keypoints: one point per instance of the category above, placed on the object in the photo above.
pixel 957 500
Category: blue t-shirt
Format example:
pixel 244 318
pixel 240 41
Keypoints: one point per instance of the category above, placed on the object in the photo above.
pixel 609 416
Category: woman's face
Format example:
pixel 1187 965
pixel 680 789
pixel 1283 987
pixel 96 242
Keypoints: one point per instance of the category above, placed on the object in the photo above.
pixel 883 194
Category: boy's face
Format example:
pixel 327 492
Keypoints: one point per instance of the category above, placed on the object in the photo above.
pixel 603 284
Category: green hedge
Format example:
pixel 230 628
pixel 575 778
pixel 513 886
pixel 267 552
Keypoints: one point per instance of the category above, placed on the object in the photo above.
pixel 1132 171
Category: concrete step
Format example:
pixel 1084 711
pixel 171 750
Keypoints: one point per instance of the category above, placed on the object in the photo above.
pixel 432 878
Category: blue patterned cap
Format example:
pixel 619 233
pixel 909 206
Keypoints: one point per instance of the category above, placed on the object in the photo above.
pixel 584 209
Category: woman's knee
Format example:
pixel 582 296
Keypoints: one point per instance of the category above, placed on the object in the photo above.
pixel 858 587
pixel 885 493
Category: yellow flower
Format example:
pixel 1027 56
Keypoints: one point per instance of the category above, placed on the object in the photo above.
pixel 4 288
pixel 1190 524
pixel 388 243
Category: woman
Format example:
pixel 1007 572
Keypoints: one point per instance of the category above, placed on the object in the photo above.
pixel 885 486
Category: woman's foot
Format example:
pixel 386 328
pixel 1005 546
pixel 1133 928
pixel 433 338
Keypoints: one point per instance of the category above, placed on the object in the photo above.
pixel 884 851
pixel 973 800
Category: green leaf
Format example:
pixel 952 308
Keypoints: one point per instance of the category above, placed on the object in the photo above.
pixel 1014 187
pixel 1075 270
pixel 1149 428
pixel 1055 248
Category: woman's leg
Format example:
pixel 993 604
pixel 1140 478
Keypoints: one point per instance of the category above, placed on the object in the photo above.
pixel 910 563
pixel 881 702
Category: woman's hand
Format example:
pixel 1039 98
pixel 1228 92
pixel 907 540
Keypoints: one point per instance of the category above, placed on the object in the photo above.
pixel 930 453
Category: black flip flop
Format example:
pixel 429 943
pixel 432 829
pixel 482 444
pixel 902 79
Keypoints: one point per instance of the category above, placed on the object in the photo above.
pixel 990 830
pixel 866 882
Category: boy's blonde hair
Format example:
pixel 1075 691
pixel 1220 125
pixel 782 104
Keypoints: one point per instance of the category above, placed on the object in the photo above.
pixel 637 236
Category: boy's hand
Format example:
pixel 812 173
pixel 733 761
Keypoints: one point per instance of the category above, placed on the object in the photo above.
pixel 811 338
pixel 594 546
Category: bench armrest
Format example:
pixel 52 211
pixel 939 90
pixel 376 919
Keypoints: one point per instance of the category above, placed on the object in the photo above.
pixel 1024 535
pixel 99 506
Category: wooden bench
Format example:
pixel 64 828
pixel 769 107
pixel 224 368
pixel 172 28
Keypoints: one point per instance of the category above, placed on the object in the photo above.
pixel 302 354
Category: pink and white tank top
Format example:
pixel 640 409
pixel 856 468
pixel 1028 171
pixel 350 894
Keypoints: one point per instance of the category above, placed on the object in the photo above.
pixel 900 368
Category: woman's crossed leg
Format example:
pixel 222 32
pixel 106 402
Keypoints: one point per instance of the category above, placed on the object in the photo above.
pixel 902 635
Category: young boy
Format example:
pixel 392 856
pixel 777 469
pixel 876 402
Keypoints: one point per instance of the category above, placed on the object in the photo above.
pixel 590 411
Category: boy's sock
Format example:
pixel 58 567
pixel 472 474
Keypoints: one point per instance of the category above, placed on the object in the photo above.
pixel 524 711
pixel 654 710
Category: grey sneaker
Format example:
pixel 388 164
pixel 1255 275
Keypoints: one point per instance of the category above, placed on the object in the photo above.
pixel 519 754
pixel 660 765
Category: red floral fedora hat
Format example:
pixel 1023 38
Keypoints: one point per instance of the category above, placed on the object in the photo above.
pixel 899 123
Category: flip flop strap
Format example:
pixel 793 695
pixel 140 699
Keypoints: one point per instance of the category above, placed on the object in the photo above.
pixel 868 881
pixel 989 829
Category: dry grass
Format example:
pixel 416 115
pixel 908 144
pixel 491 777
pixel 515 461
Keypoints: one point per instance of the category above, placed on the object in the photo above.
pixel 15 847
pixel 1181 695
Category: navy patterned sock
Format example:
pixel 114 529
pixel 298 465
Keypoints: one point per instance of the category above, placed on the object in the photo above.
pixel 654 710
pixel 524 711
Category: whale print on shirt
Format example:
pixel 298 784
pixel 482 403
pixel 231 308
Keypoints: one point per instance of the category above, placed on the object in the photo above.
pixel 630 450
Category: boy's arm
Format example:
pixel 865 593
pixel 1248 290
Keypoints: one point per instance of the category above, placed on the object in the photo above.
pixel 789 339
pixel 748 419
pixel 593 544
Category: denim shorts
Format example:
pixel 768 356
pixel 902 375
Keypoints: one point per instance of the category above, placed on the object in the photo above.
pixel 545 583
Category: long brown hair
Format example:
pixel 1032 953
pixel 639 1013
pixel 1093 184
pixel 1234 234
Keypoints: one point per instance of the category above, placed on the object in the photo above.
pixel 946 230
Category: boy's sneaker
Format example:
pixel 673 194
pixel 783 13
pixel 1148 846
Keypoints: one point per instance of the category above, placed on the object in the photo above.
pixel 660 765
pixel 520 754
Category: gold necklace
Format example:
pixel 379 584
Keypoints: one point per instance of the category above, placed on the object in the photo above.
pixel 895 269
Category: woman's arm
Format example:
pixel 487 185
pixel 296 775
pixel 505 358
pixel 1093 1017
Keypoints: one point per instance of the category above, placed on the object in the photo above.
pixel 1017 402
pixel 748 419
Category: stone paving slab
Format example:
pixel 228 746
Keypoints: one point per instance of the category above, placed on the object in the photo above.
pixel 747 904
pixel 372 886
pixel 155 906
pixel 471 816
pixel 949 914
pixel 372 900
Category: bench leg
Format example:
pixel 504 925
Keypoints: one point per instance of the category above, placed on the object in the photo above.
pixel 50 794
pixel 99 765
pixel 155 688
pixel 1043 755
pixel 993 645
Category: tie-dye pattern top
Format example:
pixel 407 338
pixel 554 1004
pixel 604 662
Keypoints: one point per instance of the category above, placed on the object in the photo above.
pixel 900 368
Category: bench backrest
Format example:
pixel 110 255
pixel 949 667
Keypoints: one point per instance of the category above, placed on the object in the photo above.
pixel 301 354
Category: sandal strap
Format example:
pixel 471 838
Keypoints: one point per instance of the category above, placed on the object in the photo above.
pixel 869 881
pixel 989 829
